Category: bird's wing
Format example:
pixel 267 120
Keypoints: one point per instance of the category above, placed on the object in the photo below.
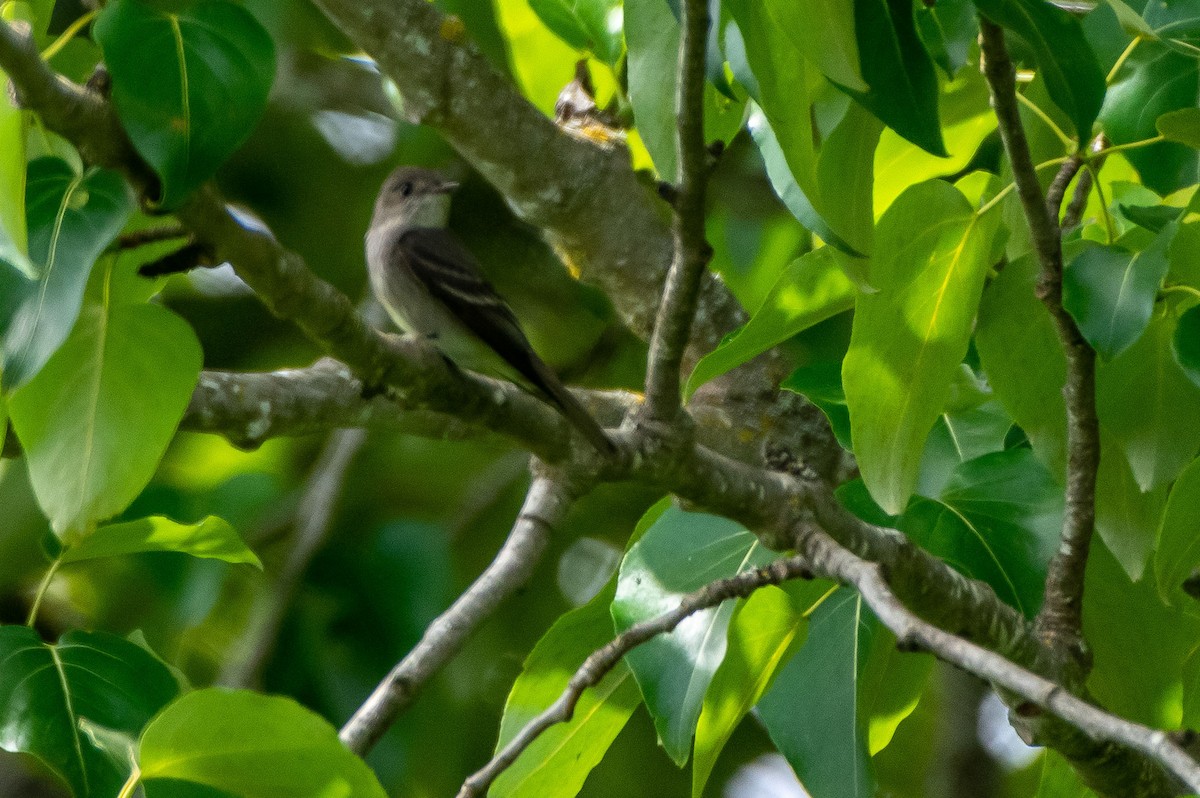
pixel 452 276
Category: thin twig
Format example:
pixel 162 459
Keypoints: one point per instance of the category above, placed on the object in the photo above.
pixel 673 324
pixel 545 506
pixel 603 660
pixel 150 235
pixel 1060 622
pixel 828 558
pixel 314 518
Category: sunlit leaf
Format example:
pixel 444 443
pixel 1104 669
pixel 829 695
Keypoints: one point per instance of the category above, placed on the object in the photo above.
pixel 211 538
pixel 911 336
pixel 97 418
pixel 1182 126
pixel 255 746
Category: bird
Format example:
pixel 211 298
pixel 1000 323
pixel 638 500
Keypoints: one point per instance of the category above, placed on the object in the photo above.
pixel 432 286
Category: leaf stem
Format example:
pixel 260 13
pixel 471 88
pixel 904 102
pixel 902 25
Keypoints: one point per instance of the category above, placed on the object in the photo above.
pixel 1112 73
pixel 42 589
pixel 1045 117
pixel 1181 289
pixel 1109 231
pixel 1004 192
pixel 131 784
pixel 1132 145
pixel 68 35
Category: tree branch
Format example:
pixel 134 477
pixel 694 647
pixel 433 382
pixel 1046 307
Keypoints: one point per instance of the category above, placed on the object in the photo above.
pixel 673 323
pixel 314 517
pixel 912 632
pixel 545 506
pixel 1060 621
pixel 603 660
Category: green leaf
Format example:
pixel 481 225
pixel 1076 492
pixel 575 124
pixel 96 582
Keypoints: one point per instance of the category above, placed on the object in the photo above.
pixel 958 436
pixel 1150 407
pixel 812 289
pixel 1182 126
pixel 71 220
pixel 910 337
pixel 830 198
pixel 212 538
pixel 583 24
pixel 821 681
pixel 821 384
pixel 558 762
pixel 1152 217
pixel 947 29
pixel 1178 544
pixel 189 84
pixel 1130 21
pixel 14 243
pixel 903 90
pixel 1059 779
pixel 680 553
pixel 97 418
pixel 1139 643
pixel 1064 58
pixel 1154 80
pixel 765 632
pixel 46 691
pixel 652 33
pixel 1185 344
pixel 1022 357
pixel 823 30
pixel 1110 292
pixel 255 746
pixel 1126 517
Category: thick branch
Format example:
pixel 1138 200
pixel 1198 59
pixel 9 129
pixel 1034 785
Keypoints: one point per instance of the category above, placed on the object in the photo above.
pixel 546 504
pixel 673 324
pixel 1060 621
pixel 314 518
pixel 603 660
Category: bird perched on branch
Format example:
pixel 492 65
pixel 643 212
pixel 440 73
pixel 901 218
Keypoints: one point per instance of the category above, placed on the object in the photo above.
pixel 432 286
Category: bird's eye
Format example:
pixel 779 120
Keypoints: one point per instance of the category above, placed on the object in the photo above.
pixel 406 188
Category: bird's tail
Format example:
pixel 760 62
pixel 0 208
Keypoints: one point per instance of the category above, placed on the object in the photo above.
pixel 550 385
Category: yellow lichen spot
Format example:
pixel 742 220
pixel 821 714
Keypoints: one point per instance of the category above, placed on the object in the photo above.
pixel 453 30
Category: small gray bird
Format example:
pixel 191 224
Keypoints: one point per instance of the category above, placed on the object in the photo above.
pixel 432 286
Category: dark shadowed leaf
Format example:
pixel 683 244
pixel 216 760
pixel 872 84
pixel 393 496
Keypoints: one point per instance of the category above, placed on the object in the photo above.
pixel 1110 292
pixel 1185 344
pixel 1064 58
pixel 1126 517
pixel 189 84
pixel 1178 544
pixel 47 690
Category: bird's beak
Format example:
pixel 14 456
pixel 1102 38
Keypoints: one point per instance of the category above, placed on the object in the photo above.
pixel 447 186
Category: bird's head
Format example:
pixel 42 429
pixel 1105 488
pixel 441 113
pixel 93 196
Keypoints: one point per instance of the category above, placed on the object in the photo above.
pixel 420 197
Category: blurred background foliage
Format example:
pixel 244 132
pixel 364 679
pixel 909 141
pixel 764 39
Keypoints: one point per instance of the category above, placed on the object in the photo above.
pixel 419 519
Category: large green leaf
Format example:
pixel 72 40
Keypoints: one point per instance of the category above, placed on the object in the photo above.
pixel 812 289
pixel 189 83
pixel 1126 517
pixel 1110 291
pixel 1150 406
pixel 821 384
pixel 1156 79
pixel 254 746
pixel 997 519
pixel 1023 360
pixel 46 691
pixel 811 711
pixel 211 538
pixel 72 218
pixel 1059 779
pixel 1064 58
pixel 833 198
pixel 765 632
pixel 1182 126
pixel 1178 544
pixel 910 337
pixel 824 31
pixel 903 90
pixel 558 762
pixel 97 418
pixel 680 553
pixel 583 24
